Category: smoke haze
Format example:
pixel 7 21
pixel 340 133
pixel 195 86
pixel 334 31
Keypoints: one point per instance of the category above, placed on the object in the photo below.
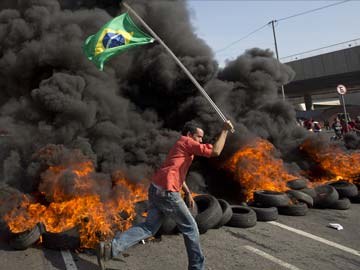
pixel 127 117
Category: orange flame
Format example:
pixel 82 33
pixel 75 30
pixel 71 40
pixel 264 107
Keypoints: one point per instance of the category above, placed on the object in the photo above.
pixel 83 208
pixel 255 168
pixel 334 161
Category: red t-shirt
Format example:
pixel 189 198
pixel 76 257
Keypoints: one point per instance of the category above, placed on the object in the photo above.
pixel 172 173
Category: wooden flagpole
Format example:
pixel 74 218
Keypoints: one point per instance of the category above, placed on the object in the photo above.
pixel 187 72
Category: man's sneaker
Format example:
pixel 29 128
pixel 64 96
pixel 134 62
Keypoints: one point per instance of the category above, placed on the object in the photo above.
pixel 103 253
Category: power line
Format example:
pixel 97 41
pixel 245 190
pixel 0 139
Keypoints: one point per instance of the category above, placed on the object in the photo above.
pixel 282 19
pixel 244 37
pixel 325 47
pixel 312 10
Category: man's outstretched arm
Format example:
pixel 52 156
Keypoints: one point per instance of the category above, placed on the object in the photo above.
pixel 220 142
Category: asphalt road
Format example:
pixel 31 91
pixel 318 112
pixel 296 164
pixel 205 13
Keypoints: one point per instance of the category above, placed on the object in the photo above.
pixel 294 243
pixel 289 243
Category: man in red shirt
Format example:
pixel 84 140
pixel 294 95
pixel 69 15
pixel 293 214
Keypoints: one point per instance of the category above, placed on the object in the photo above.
pixel 165 198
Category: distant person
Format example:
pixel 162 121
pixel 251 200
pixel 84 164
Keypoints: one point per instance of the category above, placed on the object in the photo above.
pixel 316 127
pixel 301 122
pixel 337 127
pixel 351 123
pixel 308 124
pixel 346 128
pixel 327 124
pixel 357 126
pixel 298 122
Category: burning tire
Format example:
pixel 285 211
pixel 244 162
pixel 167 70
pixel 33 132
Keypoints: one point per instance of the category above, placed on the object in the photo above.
pixel 23 240
pixel 242 217
pixel 209 212
pixel 140 209
pixel 299 209
pixel 297 184
pixel 226 213
pixel 341 204
pixel 69 239
pixel 301 197
pixel 326 196
pixel 345 189
pixel 264 213
pixel 271 198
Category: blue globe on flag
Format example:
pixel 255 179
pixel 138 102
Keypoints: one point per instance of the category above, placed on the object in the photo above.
pixel 112 40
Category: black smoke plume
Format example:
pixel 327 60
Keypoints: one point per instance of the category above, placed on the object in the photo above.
pixel 125 118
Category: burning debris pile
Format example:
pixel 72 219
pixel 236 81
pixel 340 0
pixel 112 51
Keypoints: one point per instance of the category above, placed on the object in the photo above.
pixel 330 162
pixel 256 168
pixel 81 143
pixel 72 194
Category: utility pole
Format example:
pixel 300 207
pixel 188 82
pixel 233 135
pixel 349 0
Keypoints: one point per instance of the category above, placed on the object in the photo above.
pixel 277 53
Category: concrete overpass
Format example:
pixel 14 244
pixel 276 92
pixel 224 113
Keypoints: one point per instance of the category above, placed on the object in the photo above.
pixel 317 77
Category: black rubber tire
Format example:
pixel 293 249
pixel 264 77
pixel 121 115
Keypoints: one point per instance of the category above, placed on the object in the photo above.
pixel 141 207
pixel 309 191
pixel 341 204
pixel 265 213
pixel 297 184
pixel 271 198
pixel 209 212
pixel 242 217
pixel 23 240
pixel 226 213
pixel 355 199
pixel 168 227
pixel 326 196
pixel 299 209
pixel 301 197
pixel 345 189
pixel 69 239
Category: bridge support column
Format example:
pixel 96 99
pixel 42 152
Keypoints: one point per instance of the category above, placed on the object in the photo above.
pixel 308 102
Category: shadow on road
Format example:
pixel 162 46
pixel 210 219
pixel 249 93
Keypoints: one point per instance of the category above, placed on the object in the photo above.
pixel 4 238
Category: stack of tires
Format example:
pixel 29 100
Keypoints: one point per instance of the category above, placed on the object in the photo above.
pixel 356 199
pixel 332 195
pixel 294 202
pixel 209 213
pixel 346 192
pixel 69 239
pixel 214 213
pixel 25 239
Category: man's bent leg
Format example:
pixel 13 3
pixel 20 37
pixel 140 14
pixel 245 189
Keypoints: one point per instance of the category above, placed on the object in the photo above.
pixel 130 237
pixel 188 227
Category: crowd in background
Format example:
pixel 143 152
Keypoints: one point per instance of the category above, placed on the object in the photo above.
pixel 339 125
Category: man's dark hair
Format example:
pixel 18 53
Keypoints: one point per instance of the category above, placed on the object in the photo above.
pixel 190 127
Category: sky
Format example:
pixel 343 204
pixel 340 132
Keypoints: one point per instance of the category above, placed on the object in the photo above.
pixel 221 23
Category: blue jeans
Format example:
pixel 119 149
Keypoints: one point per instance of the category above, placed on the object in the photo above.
pixel 163 204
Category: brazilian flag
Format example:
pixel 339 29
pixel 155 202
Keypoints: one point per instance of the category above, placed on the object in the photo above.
pixel 118 35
